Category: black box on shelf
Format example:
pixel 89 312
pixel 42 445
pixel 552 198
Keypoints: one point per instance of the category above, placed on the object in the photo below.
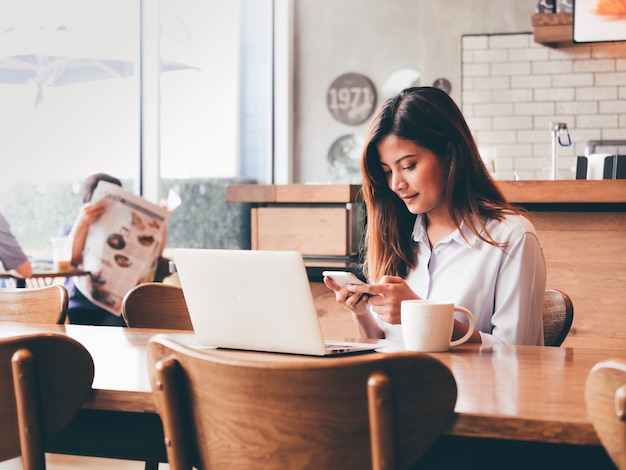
pixel 611 169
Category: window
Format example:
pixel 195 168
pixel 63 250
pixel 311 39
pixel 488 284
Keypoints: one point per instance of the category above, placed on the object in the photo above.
pixel 173 97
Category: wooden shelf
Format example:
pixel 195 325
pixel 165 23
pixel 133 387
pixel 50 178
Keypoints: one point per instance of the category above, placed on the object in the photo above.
pixel 294 193
pixel 565 191
pixel 518 192
pixel 553 29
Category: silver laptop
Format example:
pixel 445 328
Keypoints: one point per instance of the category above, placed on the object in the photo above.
pixel 254 300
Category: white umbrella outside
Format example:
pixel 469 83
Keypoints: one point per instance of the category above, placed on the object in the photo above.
pixel 52 57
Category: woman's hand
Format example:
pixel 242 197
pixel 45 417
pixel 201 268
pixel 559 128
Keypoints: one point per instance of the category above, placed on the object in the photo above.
pixel 357 303
pixel 385 297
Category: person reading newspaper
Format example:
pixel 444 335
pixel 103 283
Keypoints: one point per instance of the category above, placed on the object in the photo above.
pixel 117 237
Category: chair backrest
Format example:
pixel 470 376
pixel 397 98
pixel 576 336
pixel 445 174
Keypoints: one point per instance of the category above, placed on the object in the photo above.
pixel 44 380
pixel 156 305
pixel 558 314
pixel 224 409
pixel 605 395
pixel 34 305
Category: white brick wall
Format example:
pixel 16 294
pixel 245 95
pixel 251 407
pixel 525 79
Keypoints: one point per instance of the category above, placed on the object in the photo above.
pixel 513 88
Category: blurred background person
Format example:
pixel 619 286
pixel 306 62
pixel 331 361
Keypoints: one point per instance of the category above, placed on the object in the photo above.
pixel 11 254
pixel 82 310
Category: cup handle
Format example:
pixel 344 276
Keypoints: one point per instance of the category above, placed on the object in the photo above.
pixel 472 325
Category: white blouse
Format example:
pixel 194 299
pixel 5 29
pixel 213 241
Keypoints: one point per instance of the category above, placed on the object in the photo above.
pixel 502 287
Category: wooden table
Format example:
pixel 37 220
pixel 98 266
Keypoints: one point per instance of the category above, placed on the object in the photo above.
pixel 518 393
pixel 41 278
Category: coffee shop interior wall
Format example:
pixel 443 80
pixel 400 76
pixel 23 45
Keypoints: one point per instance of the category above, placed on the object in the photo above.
pixel 508 86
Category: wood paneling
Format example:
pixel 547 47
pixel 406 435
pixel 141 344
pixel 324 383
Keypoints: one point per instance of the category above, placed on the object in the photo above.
pixel 579 221
pixel 312 231
pixel 564 191
pixel 318 193
pixel 250 193
pixel 586 257
pixel 294 193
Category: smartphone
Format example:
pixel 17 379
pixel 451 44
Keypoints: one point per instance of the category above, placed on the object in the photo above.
pixel 342 278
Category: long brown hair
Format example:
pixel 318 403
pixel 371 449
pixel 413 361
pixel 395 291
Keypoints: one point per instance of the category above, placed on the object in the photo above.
pixel 428 117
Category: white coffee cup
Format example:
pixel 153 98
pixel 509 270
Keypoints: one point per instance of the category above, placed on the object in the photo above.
pixel 427 325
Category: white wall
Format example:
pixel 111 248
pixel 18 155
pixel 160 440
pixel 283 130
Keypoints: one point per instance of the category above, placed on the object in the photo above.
pixel 377 38
pixel 513 88
pixel 371 37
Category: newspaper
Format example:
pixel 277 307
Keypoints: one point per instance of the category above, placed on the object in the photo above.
pixel 122 246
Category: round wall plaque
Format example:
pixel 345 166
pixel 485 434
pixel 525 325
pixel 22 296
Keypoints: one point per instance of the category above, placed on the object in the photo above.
pixel 344 159
pixel 400 80
pixel 351 98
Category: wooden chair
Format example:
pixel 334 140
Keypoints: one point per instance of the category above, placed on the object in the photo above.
pixel 44 380
pixel 37 305
pixel 558 314
pixel 224 409
pixel 605 395
pixel 156 305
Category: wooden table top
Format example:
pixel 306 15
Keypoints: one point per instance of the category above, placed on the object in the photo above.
pixel 45 273
pixel 508 392
pixel 40 277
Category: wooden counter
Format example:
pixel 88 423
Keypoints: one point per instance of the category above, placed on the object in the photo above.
pixel 582 229
pixel 293 193
pixel 323 222
pixel 565 191
pixel 581 225
pixel 522 192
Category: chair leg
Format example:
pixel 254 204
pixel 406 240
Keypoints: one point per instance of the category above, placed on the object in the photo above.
pixel 381 422
pixel 28 409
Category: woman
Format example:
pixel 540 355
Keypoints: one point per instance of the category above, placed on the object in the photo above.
pixel 439 228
